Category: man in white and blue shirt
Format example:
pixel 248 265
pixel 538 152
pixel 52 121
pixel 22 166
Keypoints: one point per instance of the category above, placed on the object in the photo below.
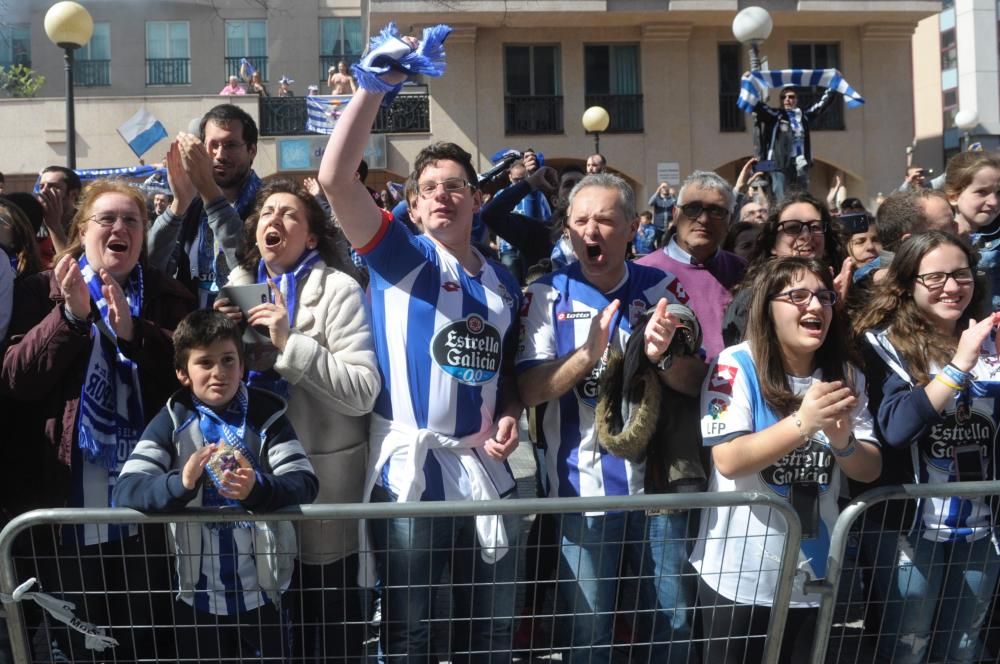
pixel 572 319
pixel 444 320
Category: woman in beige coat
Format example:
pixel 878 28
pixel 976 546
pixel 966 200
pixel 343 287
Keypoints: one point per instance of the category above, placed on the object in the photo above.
pixel 320 357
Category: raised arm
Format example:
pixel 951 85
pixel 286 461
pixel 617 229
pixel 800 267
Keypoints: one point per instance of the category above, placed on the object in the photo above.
pixel 353 207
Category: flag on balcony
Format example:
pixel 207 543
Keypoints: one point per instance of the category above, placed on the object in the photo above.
pixel 247 69
pixel 323 111
pixel 142 131
pixel 754 84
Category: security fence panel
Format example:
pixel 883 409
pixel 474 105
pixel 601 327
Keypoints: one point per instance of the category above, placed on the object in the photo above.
pixel 572 580
pixel 912 577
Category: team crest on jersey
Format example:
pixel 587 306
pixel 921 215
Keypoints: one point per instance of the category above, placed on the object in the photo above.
pixel 505 295
pixel 677 288
pixel 468 350
pixel 723 378
pixel 636 310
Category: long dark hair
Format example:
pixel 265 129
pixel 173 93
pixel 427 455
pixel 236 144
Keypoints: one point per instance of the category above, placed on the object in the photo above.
pixel 327 236
pixel 833 249
pixel 892 306
pixel 831 356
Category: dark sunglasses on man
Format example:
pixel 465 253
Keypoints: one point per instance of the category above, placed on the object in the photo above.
pixel 694 210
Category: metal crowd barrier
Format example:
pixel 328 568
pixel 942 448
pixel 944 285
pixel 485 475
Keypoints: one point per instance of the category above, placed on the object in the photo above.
pixel 128 590
pixel 859 618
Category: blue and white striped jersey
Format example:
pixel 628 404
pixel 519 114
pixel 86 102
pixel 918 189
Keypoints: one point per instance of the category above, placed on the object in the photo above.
pixel 557 316
pixel 442 338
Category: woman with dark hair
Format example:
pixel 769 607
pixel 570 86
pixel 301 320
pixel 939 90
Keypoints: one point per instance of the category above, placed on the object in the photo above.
pixel 321 358
pixel 741 237
pixel 800 226
pixel 783 413
pixel 931 368
pixel 90 362
pixel 17 239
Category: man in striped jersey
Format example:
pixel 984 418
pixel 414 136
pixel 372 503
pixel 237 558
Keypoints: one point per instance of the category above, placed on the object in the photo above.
pixel 571 321
pixel 444 320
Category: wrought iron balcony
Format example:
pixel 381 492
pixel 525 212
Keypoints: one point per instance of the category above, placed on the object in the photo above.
pixel 259 63
pixel 168 71
pixel 625 111
pixel 531 114
pixel 286 116
pixel 92 73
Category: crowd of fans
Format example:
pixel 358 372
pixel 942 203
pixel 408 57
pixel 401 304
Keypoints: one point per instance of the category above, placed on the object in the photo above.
pixel 259 344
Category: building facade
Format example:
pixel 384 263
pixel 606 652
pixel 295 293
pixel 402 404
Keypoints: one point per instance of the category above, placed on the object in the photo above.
pixel 520 74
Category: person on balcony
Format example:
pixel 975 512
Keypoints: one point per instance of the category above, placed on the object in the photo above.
pixel 285 87
pixel 232 88
pixel 340 80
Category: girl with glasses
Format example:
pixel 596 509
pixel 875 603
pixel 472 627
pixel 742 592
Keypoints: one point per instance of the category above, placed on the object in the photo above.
pixel 782 413
pixel 800 226
pixel 931 368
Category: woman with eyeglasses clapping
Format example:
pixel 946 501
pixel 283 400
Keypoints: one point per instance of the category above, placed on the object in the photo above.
pixel 784 414
pixel 800 226
pixel 932 370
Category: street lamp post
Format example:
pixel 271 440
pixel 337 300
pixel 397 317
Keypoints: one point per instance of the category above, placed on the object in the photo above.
pixel 69 26
pixel 596 120
pixel 966 120
pixel 753 26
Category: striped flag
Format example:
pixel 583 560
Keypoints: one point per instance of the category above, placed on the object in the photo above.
pixel 323 111
pixel 754 85
pixel 142 131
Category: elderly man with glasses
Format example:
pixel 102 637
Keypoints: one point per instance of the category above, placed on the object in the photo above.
pixel 214 186
pixel 782 138
pixel 694 254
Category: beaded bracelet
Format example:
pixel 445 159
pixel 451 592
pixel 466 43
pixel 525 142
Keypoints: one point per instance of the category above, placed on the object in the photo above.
pixel 852 446
pixel 955 374
pixel 947 382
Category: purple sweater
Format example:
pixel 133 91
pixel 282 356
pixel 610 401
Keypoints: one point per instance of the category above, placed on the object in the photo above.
pixel 708 286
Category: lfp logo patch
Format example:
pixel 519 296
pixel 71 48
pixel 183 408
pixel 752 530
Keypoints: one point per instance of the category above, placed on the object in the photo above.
pixel 468 350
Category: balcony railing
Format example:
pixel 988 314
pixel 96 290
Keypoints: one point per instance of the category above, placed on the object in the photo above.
pixel 327 61
pixel 625 111
pixel 92 73
pixel 168 71
pixel 259 63
pixel 530 114
pixel 286 116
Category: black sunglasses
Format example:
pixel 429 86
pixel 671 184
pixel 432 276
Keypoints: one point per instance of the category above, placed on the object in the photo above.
pixel 715 212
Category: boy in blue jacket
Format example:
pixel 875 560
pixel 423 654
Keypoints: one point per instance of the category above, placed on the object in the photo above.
pixel 219 444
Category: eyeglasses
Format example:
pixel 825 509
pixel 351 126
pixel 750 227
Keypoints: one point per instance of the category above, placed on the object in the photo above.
pixel 803 296
pixel 795 228
pixel 936 280
pixel 715 212
pixel 228 146
pixel 108 220
pixel 451 185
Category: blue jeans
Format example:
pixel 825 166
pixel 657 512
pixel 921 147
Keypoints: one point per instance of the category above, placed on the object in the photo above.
pixel 935 594
pixel 410 554
pixel 656 550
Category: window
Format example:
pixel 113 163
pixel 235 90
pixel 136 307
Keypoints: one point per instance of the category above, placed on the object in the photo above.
pixel 612 80
pixel 93 60
pixel 949 51
pixel 15 45
pixel 949 107
pixel 246 39
pixel 818 56
pixel 731 117
pixel 533 99
pixel 168 53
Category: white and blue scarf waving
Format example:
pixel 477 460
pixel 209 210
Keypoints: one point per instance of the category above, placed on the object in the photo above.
pixel 288 283
pixel 387 52
pixel 754 85
pixel 110 414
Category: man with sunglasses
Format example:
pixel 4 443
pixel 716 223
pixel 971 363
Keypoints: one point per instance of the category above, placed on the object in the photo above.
pixel 694 254
pixel 781 136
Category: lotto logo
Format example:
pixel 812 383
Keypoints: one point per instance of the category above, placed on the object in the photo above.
pixel 723 378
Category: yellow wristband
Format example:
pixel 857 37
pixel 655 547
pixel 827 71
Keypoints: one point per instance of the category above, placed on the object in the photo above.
pixel 948 383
